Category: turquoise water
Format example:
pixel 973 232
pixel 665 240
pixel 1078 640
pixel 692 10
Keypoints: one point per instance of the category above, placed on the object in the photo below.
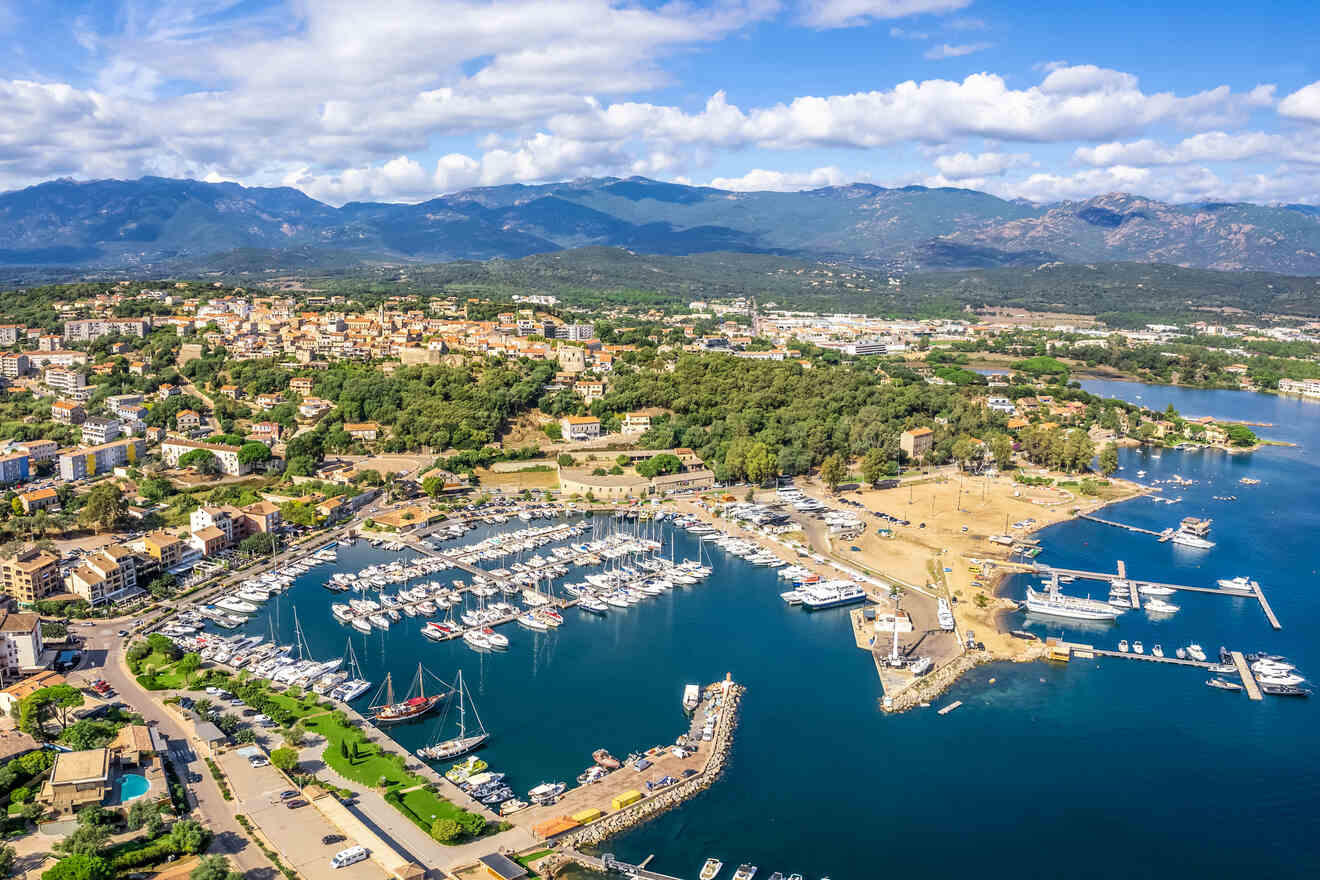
pixel 1097 768
pixel 132 786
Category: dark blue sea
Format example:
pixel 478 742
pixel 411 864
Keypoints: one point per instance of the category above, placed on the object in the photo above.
pixel 1090 769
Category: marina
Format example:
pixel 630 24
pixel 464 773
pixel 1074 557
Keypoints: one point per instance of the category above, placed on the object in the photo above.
pixel 579 682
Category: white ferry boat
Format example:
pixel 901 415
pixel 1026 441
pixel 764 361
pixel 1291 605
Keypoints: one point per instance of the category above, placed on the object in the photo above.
pixel 1056 604
pixel 832 594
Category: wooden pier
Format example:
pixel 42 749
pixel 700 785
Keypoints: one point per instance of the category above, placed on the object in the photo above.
pixel 1135 586
pixel 1248 680
pixel 1163 536
pixel 1150 658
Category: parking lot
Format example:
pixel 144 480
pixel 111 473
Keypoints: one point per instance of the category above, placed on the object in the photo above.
pixel 298 832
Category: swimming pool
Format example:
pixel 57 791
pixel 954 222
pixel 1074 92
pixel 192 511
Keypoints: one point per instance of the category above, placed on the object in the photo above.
pixel 132 786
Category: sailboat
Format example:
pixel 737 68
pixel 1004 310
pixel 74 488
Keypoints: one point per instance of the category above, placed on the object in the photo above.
pixel 464 742
pixel 390 712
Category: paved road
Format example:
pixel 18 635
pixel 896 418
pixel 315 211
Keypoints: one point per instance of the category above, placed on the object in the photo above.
pixel 104 653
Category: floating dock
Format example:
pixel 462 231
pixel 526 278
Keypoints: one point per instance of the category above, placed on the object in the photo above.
pixel 1248 680
pixel 949 708
pixel 1135 585
pixel 1163 536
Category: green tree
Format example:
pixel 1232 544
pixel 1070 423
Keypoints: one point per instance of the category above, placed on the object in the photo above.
pixel 284 758
pixel 833 471
pixel 8 858
pixel 189 836
pixel 87 839
pixel 47 703
pixel 214 867
pixel 446 831
pixel 565 460
pixel 104 507
pixel 188 665
pixel 79 867
pixel 874 466
pixel 1109 459
pixel 201 460
pixel 1001 449
pixel 253 453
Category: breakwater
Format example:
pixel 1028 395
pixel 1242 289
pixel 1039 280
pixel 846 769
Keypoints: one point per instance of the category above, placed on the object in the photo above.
pixel 645 809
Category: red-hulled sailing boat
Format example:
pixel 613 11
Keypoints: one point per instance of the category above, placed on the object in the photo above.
pixel 413 706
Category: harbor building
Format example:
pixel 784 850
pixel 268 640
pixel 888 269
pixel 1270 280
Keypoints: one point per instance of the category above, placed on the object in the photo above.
pixel 916 442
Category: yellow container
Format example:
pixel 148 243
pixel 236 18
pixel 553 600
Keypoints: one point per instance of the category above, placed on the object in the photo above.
pixel 628 797
pixel 585 816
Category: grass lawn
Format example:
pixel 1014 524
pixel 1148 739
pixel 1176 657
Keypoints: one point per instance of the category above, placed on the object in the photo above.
pixel 366 769
pixel 427 807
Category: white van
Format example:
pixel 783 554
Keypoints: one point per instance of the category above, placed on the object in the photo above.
pixel 350 856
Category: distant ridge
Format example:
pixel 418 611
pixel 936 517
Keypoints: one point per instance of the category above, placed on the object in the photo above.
pixel 127 223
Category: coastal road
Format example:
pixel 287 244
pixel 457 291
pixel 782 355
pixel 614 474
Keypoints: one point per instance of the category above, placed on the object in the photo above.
pixel 104 652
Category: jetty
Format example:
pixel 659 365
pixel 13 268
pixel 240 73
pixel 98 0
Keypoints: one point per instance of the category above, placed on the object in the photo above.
pixel 1077 649
pixel 1135 585
pixel 1163 536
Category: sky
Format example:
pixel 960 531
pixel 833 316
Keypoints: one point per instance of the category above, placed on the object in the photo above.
pixel 406 100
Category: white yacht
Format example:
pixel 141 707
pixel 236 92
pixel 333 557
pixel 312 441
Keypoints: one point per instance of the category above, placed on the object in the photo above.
pixel 1159 606
pixel 1186 539
pixel 1238 584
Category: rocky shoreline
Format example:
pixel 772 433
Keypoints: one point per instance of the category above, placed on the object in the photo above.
pixel 647 808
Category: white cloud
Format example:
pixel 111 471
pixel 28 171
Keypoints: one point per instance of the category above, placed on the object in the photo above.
pixel 962 166
pixel 787 181
pixel 1188 183
pixel 947 50
pixel 1303 103
pixel 852 13
pixel 965 23
pixel 899 33
pixel 1209 146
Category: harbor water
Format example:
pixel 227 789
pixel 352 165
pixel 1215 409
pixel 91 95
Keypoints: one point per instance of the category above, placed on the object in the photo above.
pixel 1096 767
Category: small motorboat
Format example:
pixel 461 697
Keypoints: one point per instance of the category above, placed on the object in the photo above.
pixel 604 759
pixel 1123 646
pixel 1157 651
pixel 1196 652
pixel 1138 648
pixel 1223 685
pixel 710 869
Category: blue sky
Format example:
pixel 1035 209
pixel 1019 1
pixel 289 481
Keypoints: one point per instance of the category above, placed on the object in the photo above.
pixel 407 100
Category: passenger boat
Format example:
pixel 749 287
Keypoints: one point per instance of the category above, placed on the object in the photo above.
pixel 710 869
pixel 390 712
pixel 1055 604
pixel 546 793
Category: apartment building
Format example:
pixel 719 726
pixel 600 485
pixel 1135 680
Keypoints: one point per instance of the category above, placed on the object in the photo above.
pixel 30 574
pixel 98 429
pixel 65 381
pixel 174 448
pixel 92 460
pixel 67 412
pixel 21 646
pixel 13 468
pixel 580 427
pixel 108 575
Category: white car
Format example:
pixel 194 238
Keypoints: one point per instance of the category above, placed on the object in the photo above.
pixel 258 761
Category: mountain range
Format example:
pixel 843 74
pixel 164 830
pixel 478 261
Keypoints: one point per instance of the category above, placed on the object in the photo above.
pixel 138 223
